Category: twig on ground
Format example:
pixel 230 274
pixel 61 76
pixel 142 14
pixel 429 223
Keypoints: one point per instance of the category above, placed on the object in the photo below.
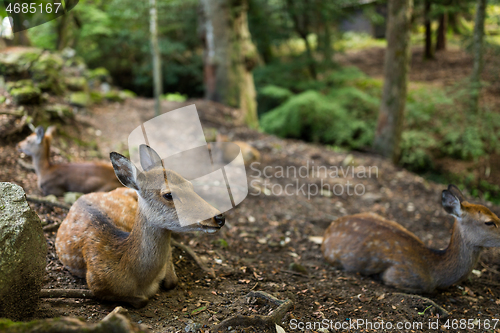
pixel 38 200
pixel 294 273
pixel 257 320
pixel 13 113
pixel 51 227
pixel 26 165
pixel 195 257
pixel 66 293
pixel 439 309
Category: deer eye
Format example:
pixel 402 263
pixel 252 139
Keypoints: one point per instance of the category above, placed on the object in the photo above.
pixel 168 196
pixel 490 223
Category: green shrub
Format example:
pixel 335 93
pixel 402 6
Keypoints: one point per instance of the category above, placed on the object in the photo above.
pixel 270 97
pixel 315 117
pixel 415 150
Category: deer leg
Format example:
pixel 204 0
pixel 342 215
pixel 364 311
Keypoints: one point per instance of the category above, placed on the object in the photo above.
pixel 170 280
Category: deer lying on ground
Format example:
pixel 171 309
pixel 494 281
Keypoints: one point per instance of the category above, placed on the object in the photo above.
pixel 249 153
pixel 371 245
pixel 120 240
pixel 57 179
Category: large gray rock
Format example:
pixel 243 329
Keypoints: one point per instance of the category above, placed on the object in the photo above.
pixel 23 251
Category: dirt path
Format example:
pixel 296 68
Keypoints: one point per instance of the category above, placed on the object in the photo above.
pixel 269 231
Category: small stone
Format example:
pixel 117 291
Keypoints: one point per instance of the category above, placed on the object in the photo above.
pixel 71 197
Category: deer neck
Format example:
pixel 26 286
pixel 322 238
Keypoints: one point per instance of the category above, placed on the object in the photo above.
pixel 456 261
pixel 41 161
pixel 148 247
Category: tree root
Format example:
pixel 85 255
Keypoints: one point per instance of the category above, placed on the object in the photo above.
pixel 38 200
pixel 195 257
pixel 66 293
pixel 439 309
pixel 269 322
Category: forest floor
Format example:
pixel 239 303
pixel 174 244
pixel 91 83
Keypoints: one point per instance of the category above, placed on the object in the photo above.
pixel 268 242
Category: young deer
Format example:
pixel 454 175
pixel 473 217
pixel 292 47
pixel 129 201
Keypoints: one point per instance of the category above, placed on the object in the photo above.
pixel 57 179
pixel 120 240
pixel 371 245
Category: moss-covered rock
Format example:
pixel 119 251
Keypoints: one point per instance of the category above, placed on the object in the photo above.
pixel 23 249
pixel 46 72
pixel 99 73
pixel 96 96
pixel 26 95
pixel 80 99
pixel 78 83
pixel 124 94
pixel 19 84
pixel 59 111
pixel 113 96
pixel 17 63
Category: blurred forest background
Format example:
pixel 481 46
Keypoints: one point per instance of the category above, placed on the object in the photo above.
pixel 310 70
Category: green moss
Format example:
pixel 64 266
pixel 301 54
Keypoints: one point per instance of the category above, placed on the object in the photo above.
pixel 46 73
pixel 26 95
pixel 113 96
pixel 59 111
pixel 76 83
pixel 96 96
pixel 100 74
pixel 80 99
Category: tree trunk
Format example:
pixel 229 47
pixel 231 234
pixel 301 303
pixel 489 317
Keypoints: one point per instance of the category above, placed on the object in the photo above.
pixel 477 50
pixel 157 74
pixel 397 57
pixel 63 23
pixel 230 57
pixel 428 54
pixel 441 33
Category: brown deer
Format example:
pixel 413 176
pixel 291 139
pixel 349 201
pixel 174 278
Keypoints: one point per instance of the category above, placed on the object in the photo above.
pixel 120 240
pixel 249 153
pixel 371 245
pixel 57 179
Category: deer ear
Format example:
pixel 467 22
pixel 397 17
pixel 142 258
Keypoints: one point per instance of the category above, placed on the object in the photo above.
pixel 149 157
pixel 125 171
pixel 51 130
pixel 456 192
pixel 40 132
pixel 451 203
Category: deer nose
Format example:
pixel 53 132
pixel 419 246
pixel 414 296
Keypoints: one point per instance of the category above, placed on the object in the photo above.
pixel 220 219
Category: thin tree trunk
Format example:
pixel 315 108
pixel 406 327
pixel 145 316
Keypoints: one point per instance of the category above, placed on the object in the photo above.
pixel 428 54
pixel 477 50
pixel 397 57
pixel 157 74
pixel 441 33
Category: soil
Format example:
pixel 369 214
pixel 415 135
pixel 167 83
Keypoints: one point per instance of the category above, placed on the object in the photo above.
pixel 268 243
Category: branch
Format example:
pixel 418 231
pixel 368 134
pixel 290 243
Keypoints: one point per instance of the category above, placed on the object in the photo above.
pixel 66 293
pixel 38 200
pixel 257 320
pixel 195 257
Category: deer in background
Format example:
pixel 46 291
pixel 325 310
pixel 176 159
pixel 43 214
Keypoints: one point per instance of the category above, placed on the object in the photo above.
pixel 369 244
pixel 120 240
pixel 84 177
pixel 249 153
